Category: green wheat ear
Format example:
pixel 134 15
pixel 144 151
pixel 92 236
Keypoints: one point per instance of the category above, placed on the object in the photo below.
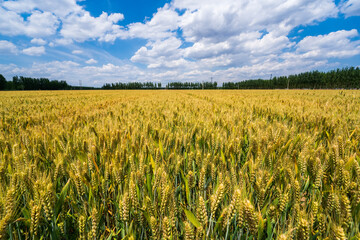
pixel 166 229
pixel 125 208
pixel 303 229
pixel 216 198
pixel 202 178
pixel 250 217
pixel 346 212
pixel 189 232
pixel 82 222
pixel 283 237
pixel 340 142
pixel 202 212
pixel 35 219
pixel 338 233
pixel 232 208
pixel 283 201
pixel 155 233
pixel 94 223
pixel 49 201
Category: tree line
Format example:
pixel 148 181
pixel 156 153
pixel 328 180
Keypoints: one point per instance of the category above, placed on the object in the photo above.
pixel 192 85
pixel 150 85
pixel 339 78
pixel 27 83
pixel 132 85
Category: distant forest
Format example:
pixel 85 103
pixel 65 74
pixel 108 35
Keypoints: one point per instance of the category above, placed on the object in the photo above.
pixel 28 83
pixel 150 85
pixel 132 85
pixel 190 85
pixel 346 78
pixel 341 78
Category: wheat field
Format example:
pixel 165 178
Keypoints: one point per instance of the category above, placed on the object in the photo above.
pixel 280 164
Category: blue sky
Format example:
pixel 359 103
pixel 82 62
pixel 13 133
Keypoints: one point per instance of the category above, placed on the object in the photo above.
pixel 109 41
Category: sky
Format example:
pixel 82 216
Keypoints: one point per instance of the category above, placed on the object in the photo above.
pixel 92 42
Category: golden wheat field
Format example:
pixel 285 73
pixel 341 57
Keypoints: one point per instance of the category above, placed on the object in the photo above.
pixel 180 164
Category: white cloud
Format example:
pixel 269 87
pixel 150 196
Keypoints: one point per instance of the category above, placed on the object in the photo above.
pixel 82 26
pixel 91 61
pixel 38 24
pixel 332 45
pixel 38 41
pixel 155 50
pixel 62 42
pixel 202 49
pixel 210 20
pixel 45 17
pixel 77 52
pixel 163 24
pixel 224 33
pixel 219 20
pixel 11 24
pixel 34 51
pixel 7 47
pixel 60 8
pixel 41 24
pixel 176 63
pixel 351 8
pixel 268 44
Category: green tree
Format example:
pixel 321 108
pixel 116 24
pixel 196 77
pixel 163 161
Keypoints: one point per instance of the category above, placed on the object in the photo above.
pixel 2 82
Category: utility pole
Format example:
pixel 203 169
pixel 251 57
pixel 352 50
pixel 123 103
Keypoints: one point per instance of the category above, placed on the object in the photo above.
pixel 80 84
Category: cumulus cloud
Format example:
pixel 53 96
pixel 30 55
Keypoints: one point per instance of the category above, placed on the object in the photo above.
pixel 268 44
pixel 60 8
pixel 34 51
pixel 158 49
pixel 163 24
pixel 77 52
pixel 38 24
pixel 91 61
pixel 11 24
pixel 351 8
pixel 45 18
pixel 41 24
pixel 7 47
pixel 82 26
pixel 220 20
pixel 226 33
pixel 61 42
pixel 333 45
pixel 38 41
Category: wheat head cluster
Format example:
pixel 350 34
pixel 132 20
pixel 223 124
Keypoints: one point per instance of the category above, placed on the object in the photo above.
pixel 180 165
